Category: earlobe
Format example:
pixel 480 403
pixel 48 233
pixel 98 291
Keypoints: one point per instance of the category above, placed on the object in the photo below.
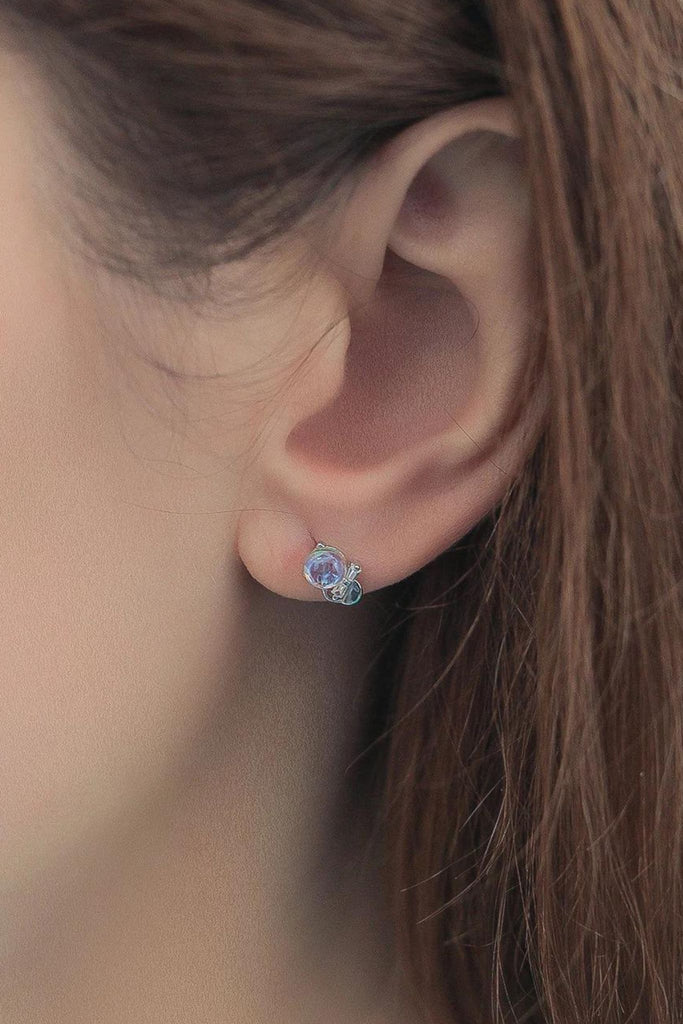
pixel 413 447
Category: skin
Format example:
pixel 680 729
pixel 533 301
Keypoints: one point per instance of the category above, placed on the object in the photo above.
pixel 183 837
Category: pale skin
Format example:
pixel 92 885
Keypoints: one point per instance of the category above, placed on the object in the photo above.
pixel 180 836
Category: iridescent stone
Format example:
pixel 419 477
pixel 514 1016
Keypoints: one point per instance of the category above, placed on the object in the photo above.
pixel 324 567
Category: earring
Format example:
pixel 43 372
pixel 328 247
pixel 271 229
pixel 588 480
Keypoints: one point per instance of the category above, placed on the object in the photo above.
pixel 327 569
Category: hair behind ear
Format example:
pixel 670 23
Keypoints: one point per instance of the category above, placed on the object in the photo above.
pixel 535 770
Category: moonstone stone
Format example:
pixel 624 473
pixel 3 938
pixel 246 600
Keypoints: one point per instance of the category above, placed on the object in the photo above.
pixel 324 568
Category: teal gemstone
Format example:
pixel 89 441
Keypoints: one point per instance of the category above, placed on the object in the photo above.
pixel 353 593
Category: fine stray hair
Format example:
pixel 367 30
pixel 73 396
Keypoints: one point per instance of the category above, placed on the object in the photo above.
pixel 532 767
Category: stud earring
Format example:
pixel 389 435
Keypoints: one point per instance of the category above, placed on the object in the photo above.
pixel 327 569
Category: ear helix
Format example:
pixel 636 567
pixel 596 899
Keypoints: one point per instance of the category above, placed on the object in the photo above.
pixel 328 569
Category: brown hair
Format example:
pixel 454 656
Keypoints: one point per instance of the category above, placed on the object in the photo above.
pixel 534 764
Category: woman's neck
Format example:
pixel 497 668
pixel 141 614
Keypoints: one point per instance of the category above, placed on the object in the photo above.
pixel 248 890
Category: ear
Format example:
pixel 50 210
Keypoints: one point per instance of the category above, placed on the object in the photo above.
pixel 395 442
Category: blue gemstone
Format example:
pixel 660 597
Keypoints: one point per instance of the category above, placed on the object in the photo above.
pixel 324 567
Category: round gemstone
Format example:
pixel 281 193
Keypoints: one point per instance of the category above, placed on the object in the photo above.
pixel 325 567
